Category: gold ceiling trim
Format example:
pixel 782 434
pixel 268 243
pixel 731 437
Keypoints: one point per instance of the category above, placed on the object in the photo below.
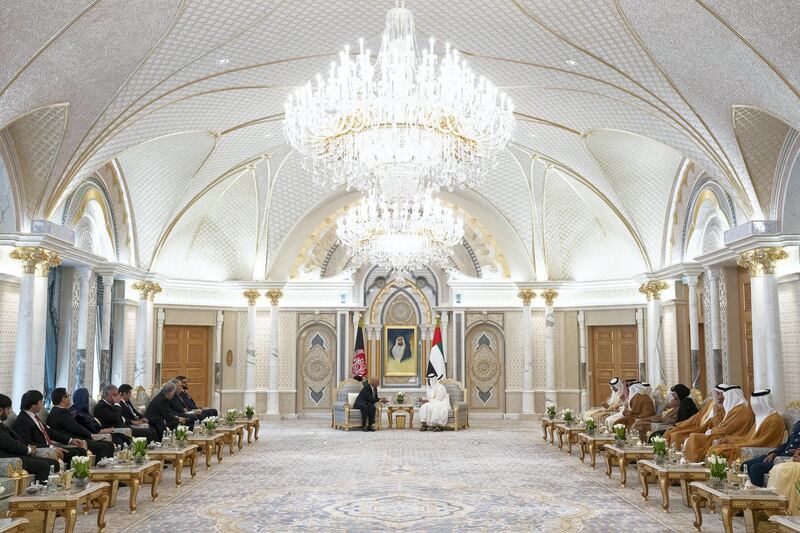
pixel 751 46
pixel 731 173
pixel 545 122
pixel 53 38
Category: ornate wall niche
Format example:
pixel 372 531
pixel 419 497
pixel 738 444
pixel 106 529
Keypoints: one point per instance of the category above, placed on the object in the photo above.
pixel 316 371
pixel 485 367
pixel 709 213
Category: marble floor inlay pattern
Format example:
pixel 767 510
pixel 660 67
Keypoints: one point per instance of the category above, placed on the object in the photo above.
pixel 497 476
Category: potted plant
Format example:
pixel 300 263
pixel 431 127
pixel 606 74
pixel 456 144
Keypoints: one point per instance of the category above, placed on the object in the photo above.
pixel 230 417
pixel 400 398
pixel 80 471
pixel 249 412
pixel 181 436
pixel 210 424
pixel 659 449
pixel 591 426
pixel 619 434
pixel 717 466
pixel 551 410
pixel 568 415
pixel 139 449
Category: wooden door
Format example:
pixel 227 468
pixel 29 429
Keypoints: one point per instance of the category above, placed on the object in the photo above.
pixel 746 330
pixel 186 354
pixel 614 353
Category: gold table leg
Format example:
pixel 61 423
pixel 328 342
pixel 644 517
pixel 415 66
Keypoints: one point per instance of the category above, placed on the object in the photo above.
pixel 249 433
pixel 219 445
pixel 698 514
pixel 727 518
pixel 663 482
pixel 101 513
pixel 70 516
pixel 643 478
pixel 622 463
pixel 240 434
pixel 593 453
pixel 569 443
pixel 134 493
pixel 552 435
pixel 207 450
pixel 582 450
pixel 608 459
pixel 193 467
pixel 114 491
pixel 177 464
pixel 560 439
pixel 155 479
pixel 231 442
pixel 257 428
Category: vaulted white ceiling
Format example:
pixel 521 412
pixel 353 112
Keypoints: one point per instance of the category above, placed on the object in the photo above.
pixel 185 97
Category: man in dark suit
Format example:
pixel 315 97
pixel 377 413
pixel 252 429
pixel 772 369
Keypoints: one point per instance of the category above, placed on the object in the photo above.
pixel 60 419
pixel 160 412
pixel 32 432
pixel 129 410
pixel 12 446
pixel 112 412
pixel 188 401
pixel 365 402
pixel 191 415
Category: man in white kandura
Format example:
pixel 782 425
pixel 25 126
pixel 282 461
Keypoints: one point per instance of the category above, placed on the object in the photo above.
pixel 435 406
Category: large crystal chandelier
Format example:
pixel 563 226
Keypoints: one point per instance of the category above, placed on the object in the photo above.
pixel 399 234
pixel 406 122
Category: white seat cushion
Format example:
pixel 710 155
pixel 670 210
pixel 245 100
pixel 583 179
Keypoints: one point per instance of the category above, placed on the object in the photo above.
pixel 351 398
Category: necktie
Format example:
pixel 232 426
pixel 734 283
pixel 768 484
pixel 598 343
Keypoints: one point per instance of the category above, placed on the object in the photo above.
pixel 44 431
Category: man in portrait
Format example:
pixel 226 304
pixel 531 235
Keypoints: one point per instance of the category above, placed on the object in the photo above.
pixel 400 351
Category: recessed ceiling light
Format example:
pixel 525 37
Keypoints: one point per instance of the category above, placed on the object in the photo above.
pixel 223 61
pixel 571 62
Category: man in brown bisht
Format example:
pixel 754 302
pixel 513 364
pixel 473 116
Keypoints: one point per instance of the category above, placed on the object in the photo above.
pixel 640 405
pixel 737 423
pixel 767 432
pixel 612 404
pixel 709 416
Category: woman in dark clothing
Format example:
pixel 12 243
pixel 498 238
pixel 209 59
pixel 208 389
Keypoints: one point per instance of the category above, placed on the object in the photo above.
pixel 686 407
pixel 680 407
pixel 80 410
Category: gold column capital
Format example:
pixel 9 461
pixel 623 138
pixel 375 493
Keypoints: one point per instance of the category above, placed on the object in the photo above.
pixel 527 295
pixel 251 295
pixel 143 287
pixel 51 260
pixel 762 260
pixel 274 295
pixel 549 296
pixel 747 261
pixel 153 289
pixel 31 257
pixel 653 289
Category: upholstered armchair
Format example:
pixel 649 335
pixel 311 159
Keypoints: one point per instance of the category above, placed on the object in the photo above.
pixel 343 415
pixel 11 486
pixel 458 418
pixel 790 418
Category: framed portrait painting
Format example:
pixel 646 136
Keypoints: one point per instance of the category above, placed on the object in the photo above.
pixel 400 351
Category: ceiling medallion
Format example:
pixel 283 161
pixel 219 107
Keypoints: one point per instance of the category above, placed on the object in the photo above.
pixel 406 122
pixel 400 234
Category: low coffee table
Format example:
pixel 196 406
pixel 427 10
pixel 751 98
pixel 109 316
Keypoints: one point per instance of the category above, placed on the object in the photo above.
pixel 133 475
pixel 592 443
pixel 232 433
pixel 178 456
pixel 549 426
pixel 757 505
pixel 665 474
pixel 402 408
pixel 624 455
pixel 210 444
pixel 571 431
pixel 252 426
pixel 64 503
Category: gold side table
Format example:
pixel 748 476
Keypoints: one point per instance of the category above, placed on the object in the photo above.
pixel 133 475
pixel 785 524
pixel 232 433
pixel 624 455
pixel 12 525
pixel 665 474
pixel 178 456
pixel 64 503
pixel 210 445
pixel 391 409
pixel 548 428
pixel 252 426
pixel 571 431
pixel 757 506
pixel 592 444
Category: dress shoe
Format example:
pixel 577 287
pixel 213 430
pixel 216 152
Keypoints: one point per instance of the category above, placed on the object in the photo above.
pixel 371 428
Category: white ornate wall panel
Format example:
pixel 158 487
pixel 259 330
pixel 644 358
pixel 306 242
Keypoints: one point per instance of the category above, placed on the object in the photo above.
pixel 129 348
pixel 287 343
pixel 9 312
pixel 241 348
pixel 558 348
pixel 789 301
pixel 670 357
pixel 262 348
pixel 8 212
pixel 514 354
pixel 539 370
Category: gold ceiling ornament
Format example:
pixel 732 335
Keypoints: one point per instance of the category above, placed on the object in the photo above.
pixel 653 289
pixel 526 295
pixel 31 257
pixel 252 296
pixel 549 296
pixel 274 295
pixel 762 260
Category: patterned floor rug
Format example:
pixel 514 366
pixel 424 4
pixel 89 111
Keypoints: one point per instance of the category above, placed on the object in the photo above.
pixel 303 476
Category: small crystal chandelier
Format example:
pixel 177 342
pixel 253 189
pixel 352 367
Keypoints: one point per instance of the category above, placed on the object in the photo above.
pixel 402 235
pixel 403 123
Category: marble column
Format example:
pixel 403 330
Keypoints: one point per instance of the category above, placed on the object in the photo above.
pixel 140 376
pixel 527 295
pixel 28 364
pixel 161 315
pixel 768 367
pixel 712 274
pixel 584 358
pixel 273 398
pixel 655 363
pixel 250 353
pixel 40 303
pixel 444 321
pixel 694 330
pixel 105 332
pixel 640 342
pixel 218 360
pixel 153 374
pixel 549 345
pixel 80 379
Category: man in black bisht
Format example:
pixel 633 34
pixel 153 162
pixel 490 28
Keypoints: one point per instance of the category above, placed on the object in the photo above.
pixel 365 402
pixel 12 446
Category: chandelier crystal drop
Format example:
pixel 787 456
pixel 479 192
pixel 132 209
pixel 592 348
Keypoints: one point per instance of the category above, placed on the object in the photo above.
pixel 408 121
pixel 402 235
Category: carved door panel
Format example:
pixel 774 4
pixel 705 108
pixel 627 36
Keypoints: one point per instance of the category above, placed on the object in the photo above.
pixel 316 346
pixel 614 353
pixel 485 355
pixel 185 353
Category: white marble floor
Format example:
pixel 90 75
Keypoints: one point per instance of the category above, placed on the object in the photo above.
pixel 496 476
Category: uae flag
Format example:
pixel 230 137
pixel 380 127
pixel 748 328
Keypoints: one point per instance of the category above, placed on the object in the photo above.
pixel 436 360
pixel 359 357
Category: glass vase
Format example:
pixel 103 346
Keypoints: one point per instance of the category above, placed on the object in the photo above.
pixel 80 482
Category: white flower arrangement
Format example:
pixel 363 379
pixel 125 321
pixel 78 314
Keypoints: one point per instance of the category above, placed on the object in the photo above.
pixel 590 424
pixel 210 422
pixel 181 433
pixel 619 431
pixel 139 446
pixel 80 466
pixel 659 446
pixel 717 465
pixel 550 409
pixel 230 416
pixel 568 415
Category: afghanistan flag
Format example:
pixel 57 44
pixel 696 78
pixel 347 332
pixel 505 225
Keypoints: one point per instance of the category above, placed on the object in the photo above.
pixel 359 357
pixel 436 365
